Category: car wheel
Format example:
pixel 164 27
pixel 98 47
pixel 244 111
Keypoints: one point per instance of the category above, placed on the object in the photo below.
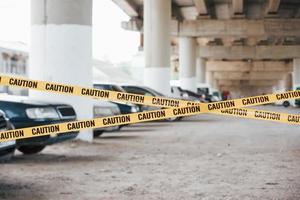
pixel 97 133
pixel 8 155
pixel 286 104
pixel 31 149
pixel 179 118
pixel 172 119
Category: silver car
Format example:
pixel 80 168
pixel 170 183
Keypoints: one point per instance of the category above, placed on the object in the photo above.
pixel 105 109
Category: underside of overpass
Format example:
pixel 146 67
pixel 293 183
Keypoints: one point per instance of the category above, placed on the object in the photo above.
pixel 245 46
pixel 248 47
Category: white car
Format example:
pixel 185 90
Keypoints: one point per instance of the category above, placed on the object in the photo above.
pixel 285 103
pixel 7 149
pixel 105 109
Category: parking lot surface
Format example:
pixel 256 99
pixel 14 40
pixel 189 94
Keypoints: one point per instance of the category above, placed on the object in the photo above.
pixel 201 157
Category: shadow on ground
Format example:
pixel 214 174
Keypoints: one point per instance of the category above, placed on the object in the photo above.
pixel 58 159
pixel 16 190
pixel 135 130
pixel 118 137
pixel 152 124
pixel 198 120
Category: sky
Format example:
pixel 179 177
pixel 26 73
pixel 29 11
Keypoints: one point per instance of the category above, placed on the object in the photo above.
pixel 110 41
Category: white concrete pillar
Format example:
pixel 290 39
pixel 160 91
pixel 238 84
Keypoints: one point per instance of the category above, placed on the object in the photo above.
pixel 215 84
pixel 289 81
pixel 200 70
pixel 209 77
pixel 187 63
pixel 282 85
pixel 296 73
pixel 157 24
pixel 61 50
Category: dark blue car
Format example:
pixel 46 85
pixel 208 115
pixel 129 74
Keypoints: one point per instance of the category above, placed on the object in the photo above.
pixel 125 108
pixel 24 112
pixel 143 90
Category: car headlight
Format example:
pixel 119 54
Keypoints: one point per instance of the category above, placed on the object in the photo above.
pixel 185 95
pixel 8 143
pixel 134 109
pixel 102 111
pixel 42 113
pixel 116 110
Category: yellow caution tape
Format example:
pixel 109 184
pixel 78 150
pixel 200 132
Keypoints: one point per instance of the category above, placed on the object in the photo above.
pixel 98 123
pixel 261 115
pixel 141 117
pixel 179 108
pixel 141 99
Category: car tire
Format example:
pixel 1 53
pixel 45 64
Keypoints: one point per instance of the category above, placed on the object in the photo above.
pixel 179 118
pixel 31 149
pixel 8 156
pixel 172 119
pixel 97 133
pixel 286 104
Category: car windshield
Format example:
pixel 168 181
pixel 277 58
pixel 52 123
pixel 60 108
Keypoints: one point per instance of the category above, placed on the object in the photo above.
pixel 154 92
pixel 109 87
pixel 191 93
pixel 142 90
pixel 117 88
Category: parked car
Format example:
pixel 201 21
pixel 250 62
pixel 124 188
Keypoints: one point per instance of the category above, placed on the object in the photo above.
pixel 105 109
pixel 216 94
pixel 285 103
pixel 188 95
pixel 211 94
pixel 125 108
pixel 7 149
pixel 25 112
pixel 148 92
pixel 203 88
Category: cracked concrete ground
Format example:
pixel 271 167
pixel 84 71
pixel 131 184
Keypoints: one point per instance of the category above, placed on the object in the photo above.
pixel 201 157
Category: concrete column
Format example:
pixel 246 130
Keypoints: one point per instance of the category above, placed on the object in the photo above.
pixel 61 50
pixel 280 87
pixel 296 73
pixel 209 77
pixel 187 63
pixel 289 81
pixel 215 84
pixel 200 70
pixel 157 25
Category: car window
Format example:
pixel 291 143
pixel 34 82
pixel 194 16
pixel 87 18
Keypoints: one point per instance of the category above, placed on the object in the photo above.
pixel 101 87
pixel 135 90
pixel 154 92
pixel 203 90
pixel 216 94
pixel 117 88
pixel 109 87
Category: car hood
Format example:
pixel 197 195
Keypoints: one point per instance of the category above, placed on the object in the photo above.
pixel 175 97
pixel 101 103
pixel 27 100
